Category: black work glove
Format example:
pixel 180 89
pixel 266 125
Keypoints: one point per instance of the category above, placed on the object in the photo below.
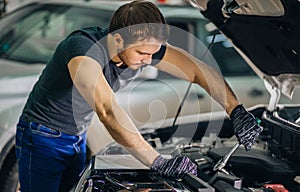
pixel 176 167
pixel 246 128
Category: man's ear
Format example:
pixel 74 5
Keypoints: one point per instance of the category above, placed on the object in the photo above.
pixel 118 40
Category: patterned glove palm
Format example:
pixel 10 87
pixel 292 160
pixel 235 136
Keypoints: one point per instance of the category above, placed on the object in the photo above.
pixel 176 167
pixel 245 126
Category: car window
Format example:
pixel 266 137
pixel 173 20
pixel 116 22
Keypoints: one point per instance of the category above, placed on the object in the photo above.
pixel 34 37
pixel 229 61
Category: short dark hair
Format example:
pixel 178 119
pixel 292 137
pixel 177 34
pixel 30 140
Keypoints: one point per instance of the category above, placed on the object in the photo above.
pixel 139 20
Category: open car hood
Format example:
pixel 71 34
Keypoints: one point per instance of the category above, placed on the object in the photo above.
pixel 265 32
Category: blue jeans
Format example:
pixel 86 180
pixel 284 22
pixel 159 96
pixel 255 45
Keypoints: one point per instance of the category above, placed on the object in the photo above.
pixel 48 160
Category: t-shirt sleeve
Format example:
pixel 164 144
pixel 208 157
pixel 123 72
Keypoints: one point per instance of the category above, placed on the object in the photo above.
pixel 157 57
pixel 80 45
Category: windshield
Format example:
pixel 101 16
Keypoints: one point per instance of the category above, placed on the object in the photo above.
pixel 31 35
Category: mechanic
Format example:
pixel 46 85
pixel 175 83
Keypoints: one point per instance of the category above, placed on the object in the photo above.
pixel 81 78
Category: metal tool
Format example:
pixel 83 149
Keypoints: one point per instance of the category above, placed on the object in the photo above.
pixel 222 162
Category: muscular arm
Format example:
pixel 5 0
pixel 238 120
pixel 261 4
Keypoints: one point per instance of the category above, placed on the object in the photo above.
pixel 88 78
pixel 183 65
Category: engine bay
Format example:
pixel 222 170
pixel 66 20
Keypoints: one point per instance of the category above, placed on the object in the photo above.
pixel 223 165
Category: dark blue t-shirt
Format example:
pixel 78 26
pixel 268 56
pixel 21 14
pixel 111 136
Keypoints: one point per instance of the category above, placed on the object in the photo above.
pixel 54 100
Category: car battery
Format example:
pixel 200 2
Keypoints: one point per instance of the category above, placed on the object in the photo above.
pixel 284 133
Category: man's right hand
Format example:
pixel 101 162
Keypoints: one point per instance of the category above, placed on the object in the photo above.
pixel 175 167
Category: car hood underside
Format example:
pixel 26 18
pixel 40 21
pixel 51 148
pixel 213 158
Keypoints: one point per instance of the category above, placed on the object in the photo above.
pixel 265 33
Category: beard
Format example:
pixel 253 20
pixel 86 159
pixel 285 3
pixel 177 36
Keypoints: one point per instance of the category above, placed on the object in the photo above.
pixel 125 62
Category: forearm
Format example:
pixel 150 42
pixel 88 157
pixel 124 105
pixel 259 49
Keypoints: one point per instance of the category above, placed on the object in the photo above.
pixel 231 100
pixel 124 132
pixel 221 92
pixel 213 82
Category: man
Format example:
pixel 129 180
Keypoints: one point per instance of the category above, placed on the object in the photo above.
pixel 81 78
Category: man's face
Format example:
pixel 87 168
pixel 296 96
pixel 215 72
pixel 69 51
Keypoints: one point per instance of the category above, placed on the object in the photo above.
pixel 139 54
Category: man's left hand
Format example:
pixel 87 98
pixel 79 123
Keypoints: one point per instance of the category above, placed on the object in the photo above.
pixel 246 128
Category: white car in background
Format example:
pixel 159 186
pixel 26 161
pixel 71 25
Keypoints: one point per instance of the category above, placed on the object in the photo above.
pixel 29 35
